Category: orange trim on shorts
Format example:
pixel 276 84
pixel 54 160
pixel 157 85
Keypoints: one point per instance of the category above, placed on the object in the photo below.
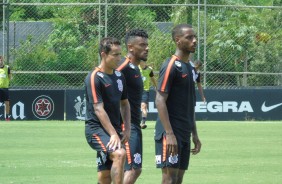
pixel 123 64
pixel 100 142
pixel 92 83
pixel 167 72
pixel 128 154
pixel 164 149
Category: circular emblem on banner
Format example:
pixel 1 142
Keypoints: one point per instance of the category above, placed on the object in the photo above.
pixel 43 107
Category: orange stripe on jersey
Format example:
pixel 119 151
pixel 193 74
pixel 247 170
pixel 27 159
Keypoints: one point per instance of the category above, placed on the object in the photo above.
pixel 164 148
pixel 100 142
pixel 92 83
pixel 123 64
pixel 127 148
pixel 173 58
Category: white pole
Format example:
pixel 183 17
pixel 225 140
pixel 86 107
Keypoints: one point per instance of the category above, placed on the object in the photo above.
pixel 205 43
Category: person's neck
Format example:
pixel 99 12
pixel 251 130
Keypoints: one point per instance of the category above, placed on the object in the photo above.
pixel 133 59
pixel 105 69
pixel 182 56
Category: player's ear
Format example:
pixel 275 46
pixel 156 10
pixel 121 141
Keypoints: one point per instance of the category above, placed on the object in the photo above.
pixel 130 47
pixel 103 54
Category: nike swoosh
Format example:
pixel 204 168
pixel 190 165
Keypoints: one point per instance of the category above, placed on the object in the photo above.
pixel 184 75
pixel 266 109
pixel 107 85
pixel 136 76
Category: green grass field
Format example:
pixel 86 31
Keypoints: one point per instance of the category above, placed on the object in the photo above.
pixel 55 152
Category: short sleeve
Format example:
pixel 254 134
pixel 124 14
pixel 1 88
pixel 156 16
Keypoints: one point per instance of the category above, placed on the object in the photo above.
pixel 166 76
pixel 198 78
pixel 124 92
pixel 93 88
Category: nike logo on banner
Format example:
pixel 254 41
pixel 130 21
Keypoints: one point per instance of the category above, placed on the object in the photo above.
pixel 107 85
pixel 266 109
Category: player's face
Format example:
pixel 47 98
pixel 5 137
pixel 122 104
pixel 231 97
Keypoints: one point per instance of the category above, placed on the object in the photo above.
pixel 139 48
pixel 187 42
pixel 113 57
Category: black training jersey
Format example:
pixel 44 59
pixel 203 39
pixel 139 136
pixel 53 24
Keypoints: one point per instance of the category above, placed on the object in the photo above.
pixel 109 89
pixel 134 85
pixel 176 79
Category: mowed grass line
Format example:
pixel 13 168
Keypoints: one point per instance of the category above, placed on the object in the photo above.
pixel 56 152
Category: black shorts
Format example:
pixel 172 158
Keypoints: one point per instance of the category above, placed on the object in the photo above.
pixel 179 161
pixel 4 94
pixel 98 141
pixel 145 97
pixel 134 149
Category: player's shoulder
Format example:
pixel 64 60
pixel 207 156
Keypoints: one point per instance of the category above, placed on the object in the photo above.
pixel 173 62
pixel 123 64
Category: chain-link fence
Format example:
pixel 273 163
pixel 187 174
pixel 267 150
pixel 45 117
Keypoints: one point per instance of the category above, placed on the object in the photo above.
pixel 54 45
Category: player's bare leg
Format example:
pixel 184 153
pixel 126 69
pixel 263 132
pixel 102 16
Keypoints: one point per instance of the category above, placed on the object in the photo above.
pixel 131 176
pixel 104 177
pixel 144 110
pixel 169 175
pixel 117 170
pixel 7 110
pixel 180 176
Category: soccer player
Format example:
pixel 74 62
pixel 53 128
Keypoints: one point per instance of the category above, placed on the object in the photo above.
pixel 106 100
pixel 5 77
pixel 197 77
pixel 136 41
pixel 147 76
pixel 175 101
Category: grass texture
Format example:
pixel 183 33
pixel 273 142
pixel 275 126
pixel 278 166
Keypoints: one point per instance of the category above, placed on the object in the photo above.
pixel 44 152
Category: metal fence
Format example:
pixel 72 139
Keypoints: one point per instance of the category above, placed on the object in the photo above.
pixel 54 45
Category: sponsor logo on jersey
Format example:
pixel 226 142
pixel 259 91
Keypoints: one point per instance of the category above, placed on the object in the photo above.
pixel 120 85
pixel 100 74
pixel 118 73
pixel 177 63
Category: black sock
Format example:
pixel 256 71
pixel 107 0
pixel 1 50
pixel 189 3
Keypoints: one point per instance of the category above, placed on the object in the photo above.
pixel 144 120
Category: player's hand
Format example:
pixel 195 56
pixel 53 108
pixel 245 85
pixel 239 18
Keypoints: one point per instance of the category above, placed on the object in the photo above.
pixel 197 145
pixel 171 144
pixel 114 142
pixel 125 136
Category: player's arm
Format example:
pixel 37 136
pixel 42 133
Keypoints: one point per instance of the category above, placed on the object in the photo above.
pixel 161 98
pixel 195 139
pixel 153 80
pixel 106 123
pixel 125 113
pixel 201 91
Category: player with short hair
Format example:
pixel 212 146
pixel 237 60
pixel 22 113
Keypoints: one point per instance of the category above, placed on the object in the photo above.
pixel 136 41
pixel 5 77
pixel 175 101
pixel 148 77
pixel 106 100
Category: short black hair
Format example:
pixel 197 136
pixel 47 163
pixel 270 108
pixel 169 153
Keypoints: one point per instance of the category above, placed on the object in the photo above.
pixel 107 43
pixel 135 33
pixel 177 30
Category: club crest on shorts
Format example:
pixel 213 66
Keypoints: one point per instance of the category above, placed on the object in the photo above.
pixel 137 158
pixel 173 159
pixel 120 85
pixel 43 107
pixel 158 159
